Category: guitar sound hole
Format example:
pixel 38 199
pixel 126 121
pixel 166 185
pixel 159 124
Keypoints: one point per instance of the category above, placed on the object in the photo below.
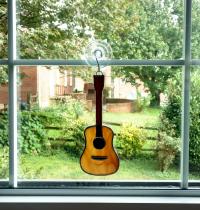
pixel 99 143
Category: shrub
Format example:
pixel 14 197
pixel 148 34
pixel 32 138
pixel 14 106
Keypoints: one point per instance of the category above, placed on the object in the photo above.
pixel 130 141
pixel 171 115
pixel 4 128
pixel 142 101
pixel 51 116
pixel 59 113
pixel 70 107
pixel 32 135
pixel 75 108
pixel 4 165
pixel 167 149
pixel 74 135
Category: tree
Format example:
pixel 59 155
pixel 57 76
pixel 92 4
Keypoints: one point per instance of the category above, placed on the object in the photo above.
pixel 3 29
pixel 157 34
pixel 3 39
pixel 140 30
pixel 46 29
pixel 171 115
pixel 135 29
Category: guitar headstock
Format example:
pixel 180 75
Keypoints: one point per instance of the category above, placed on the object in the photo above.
pixel 99 82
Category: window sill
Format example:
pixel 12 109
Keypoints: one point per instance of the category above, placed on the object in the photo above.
pixel 100 199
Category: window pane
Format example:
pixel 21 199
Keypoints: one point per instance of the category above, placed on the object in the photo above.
pixel 134 29
pixel 194 125
pixel 3 29
pixel 57 103
pixel 195 29
pixel 3 124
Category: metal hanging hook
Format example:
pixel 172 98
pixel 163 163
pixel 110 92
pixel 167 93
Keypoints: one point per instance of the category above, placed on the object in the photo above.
pixel 98 53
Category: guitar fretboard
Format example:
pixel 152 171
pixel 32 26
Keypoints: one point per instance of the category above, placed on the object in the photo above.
pixel 99 84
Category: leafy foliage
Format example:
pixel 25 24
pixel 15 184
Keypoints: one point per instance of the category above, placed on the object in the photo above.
pixel 51 30
pixel 4 165
pixel 3 29
pixel 168 146
pixel 155 36
pixel 75 108
pixel 4 129
pixel 167 149
pixel 67 115
pixel 195 121
pixel 130 141
pixel 33 137
pixel 136 29
pixel 171 115
pixel 74 135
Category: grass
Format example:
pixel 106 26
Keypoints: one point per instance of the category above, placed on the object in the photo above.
pixel 63 166
pixel 147 117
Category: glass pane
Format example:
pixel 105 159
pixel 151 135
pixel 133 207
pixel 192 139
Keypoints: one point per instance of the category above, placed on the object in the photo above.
pixel 195 29
pixel 3 29
pixel 4 164
pixel 134 29
pixel 194 125
pixel 57 103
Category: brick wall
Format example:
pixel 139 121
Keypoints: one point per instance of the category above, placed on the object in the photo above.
pixel 28 84
pixel 3 94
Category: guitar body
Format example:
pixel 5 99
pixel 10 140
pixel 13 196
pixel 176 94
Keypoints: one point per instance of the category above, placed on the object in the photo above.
pixel 99 161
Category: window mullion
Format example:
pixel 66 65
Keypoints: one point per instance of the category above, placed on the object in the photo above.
pixel 3 62
pixel 12 74
pixel 112 62
pixel 186 95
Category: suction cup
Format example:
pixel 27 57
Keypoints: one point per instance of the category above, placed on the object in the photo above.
pixel 97 50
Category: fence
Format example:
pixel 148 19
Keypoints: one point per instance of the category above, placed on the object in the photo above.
pixel 61 140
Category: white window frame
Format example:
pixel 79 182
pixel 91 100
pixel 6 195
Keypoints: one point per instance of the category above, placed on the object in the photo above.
pixel 152 188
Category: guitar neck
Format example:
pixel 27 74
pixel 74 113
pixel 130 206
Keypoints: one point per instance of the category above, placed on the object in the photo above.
pixel 99 83
pixel 99 113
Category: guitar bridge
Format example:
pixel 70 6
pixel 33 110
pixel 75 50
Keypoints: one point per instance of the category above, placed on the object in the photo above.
pixel 99 157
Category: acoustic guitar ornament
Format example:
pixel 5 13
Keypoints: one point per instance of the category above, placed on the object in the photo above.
pixel 99 156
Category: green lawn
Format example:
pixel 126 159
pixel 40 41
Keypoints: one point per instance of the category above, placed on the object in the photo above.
pixel 147 117
pixel 62 166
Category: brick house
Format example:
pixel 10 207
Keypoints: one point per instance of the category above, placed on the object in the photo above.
pixel 42 84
